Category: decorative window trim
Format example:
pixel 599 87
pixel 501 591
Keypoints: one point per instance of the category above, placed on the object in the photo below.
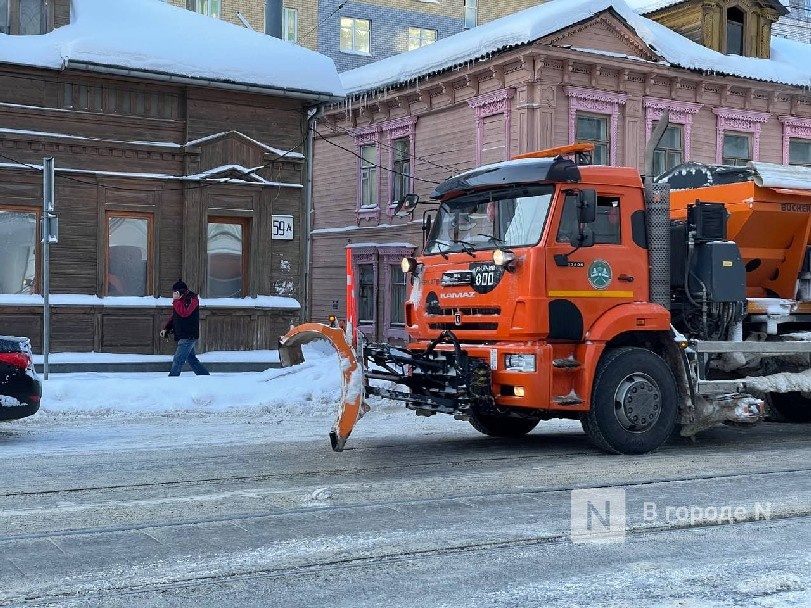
pixel 680 112
pixel 794 127
pixel 365 254
pixel 396 129
pixel 746 121
pixel 490 104
pixel 391 255
pixel 600 102
pixel 366 136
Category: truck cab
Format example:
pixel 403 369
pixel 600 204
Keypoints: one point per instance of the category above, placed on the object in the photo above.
pixel 530 268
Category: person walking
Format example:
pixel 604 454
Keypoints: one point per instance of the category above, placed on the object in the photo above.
pixel 185 325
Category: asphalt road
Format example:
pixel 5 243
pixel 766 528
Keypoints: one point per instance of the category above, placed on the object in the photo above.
pixel 196 513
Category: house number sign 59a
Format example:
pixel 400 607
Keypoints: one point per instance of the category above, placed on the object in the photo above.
pixel 281 227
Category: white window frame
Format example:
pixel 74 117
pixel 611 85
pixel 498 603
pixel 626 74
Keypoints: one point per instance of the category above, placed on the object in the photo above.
pixel 206 7
pixel 352 24
pixel 471 16
pixel 419 37
pixel 287 13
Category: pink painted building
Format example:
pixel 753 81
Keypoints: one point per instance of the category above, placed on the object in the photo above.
pixel 558 73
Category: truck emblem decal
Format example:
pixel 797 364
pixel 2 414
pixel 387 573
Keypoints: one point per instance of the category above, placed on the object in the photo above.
pixel 485 276
pixel 599 274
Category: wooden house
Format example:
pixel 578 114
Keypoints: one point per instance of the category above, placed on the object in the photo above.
pixel 180 147
pixel 558 73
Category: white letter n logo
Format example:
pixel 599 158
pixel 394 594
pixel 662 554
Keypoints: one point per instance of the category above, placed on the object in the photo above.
pixel 598 515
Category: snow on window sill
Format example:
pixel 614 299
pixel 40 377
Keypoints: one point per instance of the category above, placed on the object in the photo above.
pixel 354 52
pixel 368 213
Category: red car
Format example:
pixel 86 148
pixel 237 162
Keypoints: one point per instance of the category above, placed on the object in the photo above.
pixel 20 387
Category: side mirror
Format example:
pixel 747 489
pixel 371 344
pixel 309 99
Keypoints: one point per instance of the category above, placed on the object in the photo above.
pixel 407 204
pixel 584 239
pixel 587 206
pixel 426 228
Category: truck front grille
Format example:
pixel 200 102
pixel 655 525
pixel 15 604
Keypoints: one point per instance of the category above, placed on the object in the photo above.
pixel 465 312
pixel 464 326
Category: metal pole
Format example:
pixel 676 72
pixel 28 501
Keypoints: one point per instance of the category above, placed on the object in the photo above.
pixel 47 210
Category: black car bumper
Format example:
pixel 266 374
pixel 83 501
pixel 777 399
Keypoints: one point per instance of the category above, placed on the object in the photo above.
pixel 19 393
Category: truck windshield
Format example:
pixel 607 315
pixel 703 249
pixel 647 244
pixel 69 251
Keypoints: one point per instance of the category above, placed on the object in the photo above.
pixel 511 217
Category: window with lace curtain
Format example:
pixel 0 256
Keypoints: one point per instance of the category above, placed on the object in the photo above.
pixel 227 260
pixel 129 238
pixel 18 250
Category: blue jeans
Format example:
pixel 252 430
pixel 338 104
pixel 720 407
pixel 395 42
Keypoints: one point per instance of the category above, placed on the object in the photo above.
pixel 185 352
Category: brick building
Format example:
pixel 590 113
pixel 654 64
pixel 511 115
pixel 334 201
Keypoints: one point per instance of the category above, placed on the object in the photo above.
pixel 358 32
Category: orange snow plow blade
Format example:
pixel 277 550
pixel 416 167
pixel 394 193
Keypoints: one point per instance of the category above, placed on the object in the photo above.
pixel 351 408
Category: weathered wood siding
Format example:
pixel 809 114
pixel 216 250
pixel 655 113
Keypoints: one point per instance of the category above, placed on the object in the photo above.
pixel 120 133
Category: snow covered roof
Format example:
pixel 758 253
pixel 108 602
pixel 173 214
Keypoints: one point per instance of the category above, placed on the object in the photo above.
pixel 152 39
pixel 649 6
pixel 788 64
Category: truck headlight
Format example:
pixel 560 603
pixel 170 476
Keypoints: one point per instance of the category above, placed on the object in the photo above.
pixel 519 363
pixel 408 265
pixel 505 258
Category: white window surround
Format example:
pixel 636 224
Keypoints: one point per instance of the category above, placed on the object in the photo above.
pixel 489 104
pixel 679 112
pixel 794 127
pixel 745 121
pixel 598 102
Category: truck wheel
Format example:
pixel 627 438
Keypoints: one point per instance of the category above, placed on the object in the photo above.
pixel 634 402
pixel 791 407
pixel 502 426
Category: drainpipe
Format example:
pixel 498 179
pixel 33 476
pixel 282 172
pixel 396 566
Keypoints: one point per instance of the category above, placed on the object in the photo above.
pixel 273 18
pixel 309 148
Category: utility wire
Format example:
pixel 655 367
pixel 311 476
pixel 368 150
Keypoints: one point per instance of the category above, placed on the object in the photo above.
pixel 378 165
pixel 320 23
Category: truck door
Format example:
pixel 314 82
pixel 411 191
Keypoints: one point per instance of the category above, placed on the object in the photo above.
pixel 583 283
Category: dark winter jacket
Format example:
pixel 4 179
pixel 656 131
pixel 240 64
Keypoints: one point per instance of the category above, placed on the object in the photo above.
pixel 185 319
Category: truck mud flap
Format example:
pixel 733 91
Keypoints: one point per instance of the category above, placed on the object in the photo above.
pixel 351 407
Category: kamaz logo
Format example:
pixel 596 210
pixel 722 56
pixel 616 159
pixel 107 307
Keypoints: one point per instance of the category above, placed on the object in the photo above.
pixel 447 296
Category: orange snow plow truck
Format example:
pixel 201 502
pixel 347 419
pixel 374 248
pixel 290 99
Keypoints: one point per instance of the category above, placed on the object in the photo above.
pixel 548 288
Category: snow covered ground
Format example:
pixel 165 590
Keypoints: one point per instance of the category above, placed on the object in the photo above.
pixel 80 410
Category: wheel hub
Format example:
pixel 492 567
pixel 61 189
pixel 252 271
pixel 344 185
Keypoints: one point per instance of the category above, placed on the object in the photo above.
pixel 637 403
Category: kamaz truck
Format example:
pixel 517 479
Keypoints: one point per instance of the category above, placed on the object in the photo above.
pixel 549 288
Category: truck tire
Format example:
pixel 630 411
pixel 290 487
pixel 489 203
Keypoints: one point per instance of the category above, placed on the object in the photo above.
pixel 502 426
pixel 634 403
pixel 791 407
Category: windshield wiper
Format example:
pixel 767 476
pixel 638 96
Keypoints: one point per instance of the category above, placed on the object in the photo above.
pixel 439 245
pixel 493 239
pixel 468 248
